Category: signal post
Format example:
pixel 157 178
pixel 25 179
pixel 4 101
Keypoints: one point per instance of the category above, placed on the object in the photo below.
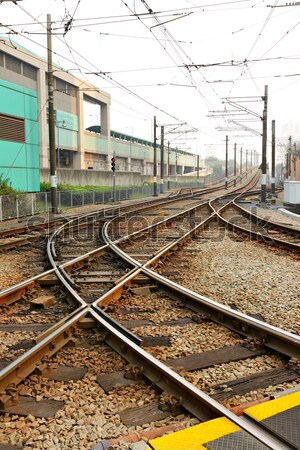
pixel 113 168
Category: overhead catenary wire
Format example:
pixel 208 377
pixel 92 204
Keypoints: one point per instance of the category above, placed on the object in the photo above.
pixel 272 47
pixel 169 11
pixel 129 82
pixel 104 76
pixel 169 37
pixel 180 53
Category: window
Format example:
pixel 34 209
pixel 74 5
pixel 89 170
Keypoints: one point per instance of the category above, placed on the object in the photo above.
pixel 65 88
pixel 13 63
pixel 71 90
pixel 12 128
pixel 29 71
pixel 60 85
pixel 1 59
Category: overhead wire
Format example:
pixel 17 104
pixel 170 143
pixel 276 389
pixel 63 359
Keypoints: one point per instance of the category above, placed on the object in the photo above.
pixel 174 45
pixel 69 18
pixel 134 14
pixel 262 30
pixel 114 82
pixel 169 35
pixel 275 44
pixel 104 21
pixel 105 73
pixel 258 37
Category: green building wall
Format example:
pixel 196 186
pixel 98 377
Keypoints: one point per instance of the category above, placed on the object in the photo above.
pixel 19 162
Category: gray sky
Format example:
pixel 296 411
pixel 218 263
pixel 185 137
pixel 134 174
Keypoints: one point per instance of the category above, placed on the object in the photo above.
pixel 178 60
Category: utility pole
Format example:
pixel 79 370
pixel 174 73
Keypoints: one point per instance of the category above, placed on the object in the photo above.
pixel 154 161
pixel 234 166
pixel 241 164
pixel 288 159
pixel 246 162
pixel 53 180
pixel 162 137
pixel 273 159
pixel 226 164
pixel 198 163
pixel 251 156
pixel 294 159
pixel 176 180
pixel 168 165
pixel 264 149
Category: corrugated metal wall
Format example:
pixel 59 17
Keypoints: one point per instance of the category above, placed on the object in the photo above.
pixel 19 161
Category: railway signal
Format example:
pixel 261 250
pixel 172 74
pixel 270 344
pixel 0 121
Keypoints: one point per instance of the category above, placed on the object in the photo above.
pixel 113 164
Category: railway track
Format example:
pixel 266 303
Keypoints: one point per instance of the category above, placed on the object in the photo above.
pixel 238 218
pixel 91 327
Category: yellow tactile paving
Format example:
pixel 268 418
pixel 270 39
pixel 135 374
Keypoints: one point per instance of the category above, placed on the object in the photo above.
pixel 192 438
pixel 272 407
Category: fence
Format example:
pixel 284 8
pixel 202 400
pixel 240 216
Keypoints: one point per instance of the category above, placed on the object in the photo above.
pixel 20 205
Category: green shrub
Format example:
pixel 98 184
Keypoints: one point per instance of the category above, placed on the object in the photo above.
pixel 45 187
pixel 5 186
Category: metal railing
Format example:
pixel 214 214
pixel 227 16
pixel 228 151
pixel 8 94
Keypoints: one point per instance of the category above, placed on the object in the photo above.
pixel 20 205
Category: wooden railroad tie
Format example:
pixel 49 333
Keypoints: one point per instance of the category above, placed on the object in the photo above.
pixel 42 302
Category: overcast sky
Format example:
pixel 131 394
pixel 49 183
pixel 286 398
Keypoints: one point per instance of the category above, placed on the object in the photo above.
pixel 178 60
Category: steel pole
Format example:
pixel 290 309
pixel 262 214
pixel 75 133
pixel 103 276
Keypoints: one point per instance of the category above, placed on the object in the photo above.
pixel 234 165
pixel 168 165
pixel 53 180
pixel 162 129
pixel 154 161
pixel 176 179
pixel 273 159
pixel 241 163
pixel 264 149
pixel 226 164
pixel 294 160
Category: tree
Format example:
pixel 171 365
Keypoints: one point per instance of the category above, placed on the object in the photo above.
pixel 216 164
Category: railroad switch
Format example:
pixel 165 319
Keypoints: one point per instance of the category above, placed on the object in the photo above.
pixel 133 372
pixel 171 403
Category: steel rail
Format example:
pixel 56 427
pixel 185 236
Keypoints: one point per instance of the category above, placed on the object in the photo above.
pixel 71 223
pixel 194 400
pixel 67 219
pixel 258 234
pixel 15 292
pixel 202 405
pixel 80 260
pixel 53 340
pixel 270 336
pixel 171 218
pixel 267 222
pixel 150 204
